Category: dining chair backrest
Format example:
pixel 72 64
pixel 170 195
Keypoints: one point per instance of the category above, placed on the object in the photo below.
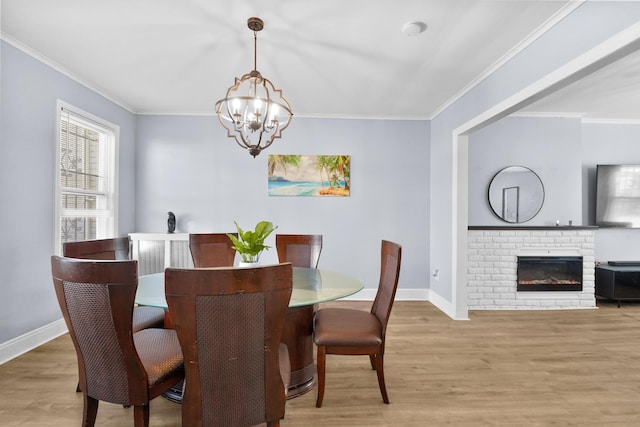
pixel 229 322
pixel 212 250
pixel 301 250
pixel 96 299
pixel 116 248
pixel 391 254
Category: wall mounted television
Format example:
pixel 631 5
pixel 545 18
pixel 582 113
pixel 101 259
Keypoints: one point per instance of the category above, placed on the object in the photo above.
pixel 618 196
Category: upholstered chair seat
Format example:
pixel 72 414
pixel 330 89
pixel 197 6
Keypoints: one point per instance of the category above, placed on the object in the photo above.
pixel 346 327
pixel 160 353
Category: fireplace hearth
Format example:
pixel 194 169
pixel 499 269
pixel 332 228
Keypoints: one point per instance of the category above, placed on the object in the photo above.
pixel 549 273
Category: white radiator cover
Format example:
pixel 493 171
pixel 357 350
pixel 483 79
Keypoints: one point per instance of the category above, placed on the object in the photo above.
pixel 155 251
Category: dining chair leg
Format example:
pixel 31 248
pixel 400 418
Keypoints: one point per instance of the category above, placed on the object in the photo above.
pixel 141 415
pixel 372 359
pixel 89 411
pixel 379 361
pixel 321 361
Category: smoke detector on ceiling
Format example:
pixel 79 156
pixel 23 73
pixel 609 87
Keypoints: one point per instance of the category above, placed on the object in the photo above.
pixel 413 28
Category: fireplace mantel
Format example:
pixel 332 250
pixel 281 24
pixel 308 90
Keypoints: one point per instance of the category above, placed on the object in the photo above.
pixel 532 227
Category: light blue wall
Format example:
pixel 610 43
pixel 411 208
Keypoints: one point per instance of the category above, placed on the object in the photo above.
pixel 188 166
pixel 30 90
pixel 607 143
pixel 551 147
pixel 564 152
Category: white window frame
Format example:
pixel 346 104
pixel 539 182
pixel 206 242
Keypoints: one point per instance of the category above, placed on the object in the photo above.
pixel 106 213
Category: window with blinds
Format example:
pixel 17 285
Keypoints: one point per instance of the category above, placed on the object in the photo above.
pixel 85 185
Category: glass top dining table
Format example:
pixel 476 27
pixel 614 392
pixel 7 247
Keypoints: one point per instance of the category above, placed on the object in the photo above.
pixel 310 286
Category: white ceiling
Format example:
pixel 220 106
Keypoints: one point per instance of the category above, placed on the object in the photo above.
pixel 331 58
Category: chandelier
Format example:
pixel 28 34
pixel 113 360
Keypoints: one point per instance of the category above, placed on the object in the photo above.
pixel 253 111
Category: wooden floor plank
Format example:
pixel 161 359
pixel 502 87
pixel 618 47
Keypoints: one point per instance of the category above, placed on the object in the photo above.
pixel 500 368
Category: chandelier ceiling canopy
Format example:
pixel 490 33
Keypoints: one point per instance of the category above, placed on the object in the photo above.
pixel 253 111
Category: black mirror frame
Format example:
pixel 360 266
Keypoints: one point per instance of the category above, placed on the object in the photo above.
pixel 499 211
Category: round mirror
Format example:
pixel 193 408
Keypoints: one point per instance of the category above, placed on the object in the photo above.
pixel 516 194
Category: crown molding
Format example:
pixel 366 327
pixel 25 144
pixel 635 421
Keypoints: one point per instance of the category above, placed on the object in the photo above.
pixel 515 50
pixel 593 120
pixel 62 70
pixel 295 115
pixel 605 121
pixel 547 115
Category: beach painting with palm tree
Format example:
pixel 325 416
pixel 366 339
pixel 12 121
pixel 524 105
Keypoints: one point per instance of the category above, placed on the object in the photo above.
pixel 304 175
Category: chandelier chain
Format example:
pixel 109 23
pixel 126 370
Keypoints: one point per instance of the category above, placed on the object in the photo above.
pixel 255 50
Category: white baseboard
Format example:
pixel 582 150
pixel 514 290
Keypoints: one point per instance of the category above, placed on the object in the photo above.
pixel 445 306
pixel 24 343
pixel 401 295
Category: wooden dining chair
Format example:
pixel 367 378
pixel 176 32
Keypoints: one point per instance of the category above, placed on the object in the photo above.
pixel 229 322
pixel 212 250
pixel 115 365
pixel 301 250
pixel 357 332
pixel 115 249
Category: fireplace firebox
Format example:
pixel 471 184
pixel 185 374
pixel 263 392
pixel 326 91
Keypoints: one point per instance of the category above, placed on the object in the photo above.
pixel 549 273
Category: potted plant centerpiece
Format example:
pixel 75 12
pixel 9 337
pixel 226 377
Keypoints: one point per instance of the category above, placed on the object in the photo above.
pixel 250 244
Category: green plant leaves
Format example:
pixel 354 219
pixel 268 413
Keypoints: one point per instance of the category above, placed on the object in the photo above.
pixel 249 244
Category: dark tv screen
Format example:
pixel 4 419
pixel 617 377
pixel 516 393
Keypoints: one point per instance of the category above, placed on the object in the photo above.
pixel 618 196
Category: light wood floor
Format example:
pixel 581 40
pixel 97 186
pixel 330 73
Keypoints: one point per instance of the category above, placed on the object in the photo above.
pixel 501 368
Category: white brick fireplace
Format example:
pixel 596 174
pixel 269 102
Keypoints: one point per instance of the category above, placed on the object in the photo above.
pixel 493 260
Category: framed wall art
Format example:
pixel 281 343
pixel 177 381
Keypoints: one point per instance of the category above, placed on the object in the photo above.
pixel 309 175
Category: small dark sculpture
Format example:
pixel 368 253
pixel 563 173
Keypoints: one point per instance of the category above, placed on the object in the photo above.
pixel 171 223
